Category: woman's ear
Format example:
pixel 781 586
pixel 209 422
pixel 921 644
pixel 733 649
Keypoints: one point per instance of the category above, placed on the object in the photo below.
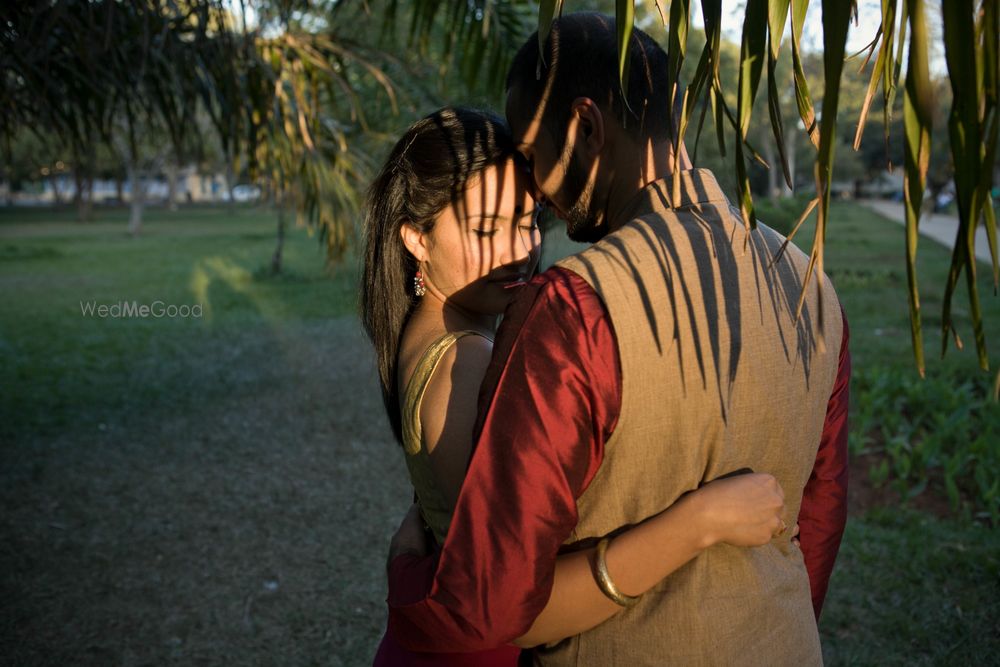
pixel 591 124
pixel 414 240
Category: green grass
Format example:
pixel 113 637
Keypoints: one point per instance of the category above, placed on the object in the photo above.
pixel 62 367
pixel 222 490
pixel 910 589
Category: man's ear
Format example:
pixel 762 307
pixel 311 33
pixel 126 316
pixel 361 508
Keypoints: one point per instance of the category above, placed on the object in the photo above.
pixel 414 240
pixel 591 124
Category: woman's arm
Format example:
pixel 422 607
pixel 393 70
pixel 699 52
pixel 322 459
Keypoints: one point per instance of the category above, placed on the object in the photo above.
pixel 743 511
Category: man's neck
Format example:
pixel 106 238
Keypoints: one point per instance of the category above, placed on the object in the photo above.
pixel 629 181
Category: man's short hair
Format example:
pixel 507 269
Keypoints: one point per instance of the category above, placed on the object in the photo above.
pixel 581 55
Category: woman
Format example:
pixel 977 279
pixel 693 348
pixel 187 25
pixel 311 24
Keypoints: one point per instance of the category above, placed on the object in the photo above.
pixel 450 235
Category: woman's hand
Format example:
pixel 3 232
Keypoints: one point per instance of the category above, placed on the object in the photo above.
pixel 410 537
pixel 744 510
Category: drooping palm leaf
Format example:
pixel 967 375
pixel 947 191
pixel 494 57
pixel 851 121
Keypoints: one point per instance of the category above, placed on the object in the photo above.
pixel 547 12
pixel 802 97
pixel 680 18
pixel 625 12
pixel 988 37
pixel 917 124
pixel 893 67
pixel 886 31
pixel 707 75
pixel 965 129
pixel 836 18
pixel 753 53
pixel 777 15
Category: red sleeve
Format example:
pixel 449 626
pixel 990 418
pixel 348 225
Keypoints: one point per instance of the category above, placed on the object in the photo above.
pixel 824 500
pixel 549 403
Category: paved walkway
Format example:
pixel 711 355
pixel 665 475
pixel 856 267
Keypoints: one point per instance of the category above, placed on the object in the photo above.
pixel 939 227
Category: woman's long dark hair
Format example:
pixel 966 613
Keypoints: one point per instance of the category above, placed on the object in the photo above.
pixel 426 171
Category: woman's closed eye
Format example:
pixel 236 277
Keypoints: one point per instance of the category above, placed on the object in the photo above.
pixel 532 224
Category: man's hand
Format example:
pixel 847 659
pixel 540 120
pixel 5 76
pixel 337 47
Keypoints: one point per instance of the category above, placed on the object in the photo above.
pixel 410 537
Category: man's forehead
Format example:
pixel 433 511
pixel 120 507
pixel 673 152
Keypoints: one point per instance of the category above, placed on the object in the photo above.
pixel 525 137
pixel 525 122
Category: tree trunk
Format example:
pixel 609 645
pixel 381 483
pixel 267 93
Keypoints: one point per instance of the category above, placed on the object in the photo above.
pixel 56 197
pixel 8 179
pixel 84 196
pixel 172 185
pixel 230 184
pixel 8 172
pixel 135 212
pixel 276 257
pixel 137 200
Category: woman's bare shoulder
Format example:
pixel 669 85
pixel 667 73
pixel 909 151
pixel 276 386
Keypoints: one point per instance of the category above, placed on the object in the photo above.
pixel 452 393
pixel 462 366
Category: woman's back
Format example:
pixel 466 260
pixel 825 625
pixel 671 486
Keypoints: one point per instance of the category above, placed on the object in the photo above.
pixel 441 371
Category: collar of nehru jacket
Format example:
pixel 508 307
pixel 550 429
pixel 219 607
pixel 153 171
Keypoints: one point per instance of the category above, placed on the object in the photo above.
pixel 694 186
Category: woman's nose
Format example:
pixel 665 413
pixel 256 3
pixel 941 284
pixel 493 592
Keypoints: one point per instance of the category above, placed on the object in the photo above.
pixel 523 246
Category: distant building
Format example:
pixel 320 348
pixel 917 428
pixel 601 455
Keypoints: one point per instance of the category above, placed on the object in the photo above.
pixel 192 187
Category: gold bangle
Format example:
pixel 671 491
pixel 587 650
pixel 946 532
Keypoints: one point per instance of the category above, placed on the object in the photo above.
pixel 604 578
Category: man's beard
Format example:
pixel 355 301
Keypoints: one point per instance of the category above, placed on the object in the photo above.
pixel 583 225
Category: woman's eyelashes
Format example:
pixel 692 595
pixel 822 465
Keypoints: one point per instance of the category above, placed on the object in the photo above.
pixel 487 233
pixel 530 225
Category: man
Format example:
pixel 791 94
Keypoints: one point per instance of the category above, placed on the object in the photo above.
pixel 665 355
